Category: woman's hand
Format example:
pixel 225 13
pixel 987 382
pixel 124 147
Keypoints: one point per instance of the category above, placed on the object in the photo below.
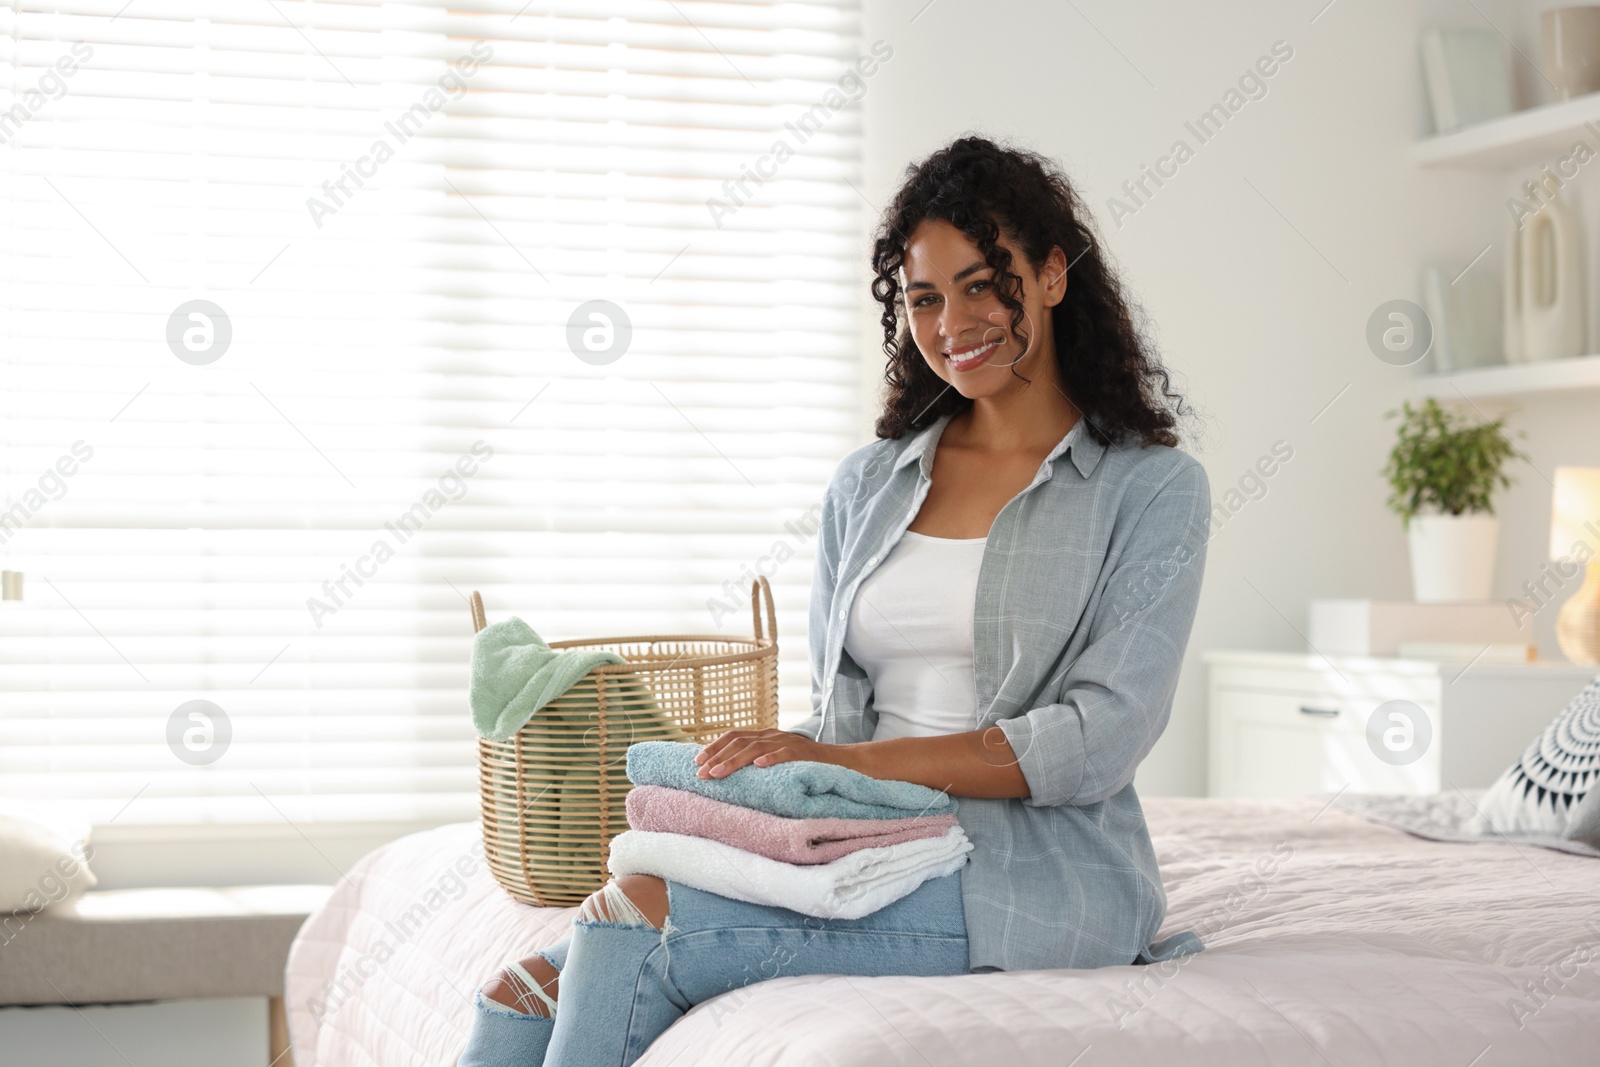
pixel 737 748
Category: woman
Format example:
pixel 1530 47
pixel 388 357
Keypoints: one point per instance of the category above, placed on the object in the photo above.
pixel 1005 584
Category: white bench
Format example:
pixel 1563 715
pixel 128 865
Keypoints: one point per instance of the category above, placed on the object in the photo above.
pixel 125 945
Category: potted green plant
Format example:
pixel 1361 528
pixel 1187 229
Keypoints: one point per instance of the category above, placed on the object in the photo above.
pixel 1443 473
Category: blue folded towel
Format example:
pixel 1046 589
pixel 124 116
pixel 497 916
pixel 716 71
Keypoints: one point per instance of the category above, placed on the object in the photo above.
pixel 799 789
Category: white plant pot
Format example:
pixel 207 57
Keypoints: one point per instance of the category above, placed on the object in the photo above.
pixel 1452 557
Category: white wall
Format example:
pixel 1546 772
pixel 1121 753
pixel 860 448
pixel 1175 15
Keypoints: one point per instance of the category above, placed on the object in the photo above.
pixel 1258 264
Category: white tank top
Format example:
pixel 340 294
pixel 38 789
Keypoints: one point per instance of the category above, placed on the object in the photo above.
pixel 910 629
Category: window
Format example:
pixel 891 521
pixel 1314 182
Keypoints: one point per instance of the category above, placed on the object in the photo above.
pixel 319 316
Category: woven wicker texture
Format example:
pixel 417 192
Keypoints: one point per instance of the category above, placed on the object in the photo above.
pixel 553 794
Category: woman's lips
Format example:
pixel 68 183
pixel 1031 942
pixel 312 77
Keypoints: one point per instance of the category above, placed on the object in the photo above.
pixel 972 359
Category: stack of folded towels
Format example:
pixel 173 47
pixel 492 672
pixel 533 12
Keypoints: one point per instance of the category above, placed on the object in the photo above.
pixel 811 837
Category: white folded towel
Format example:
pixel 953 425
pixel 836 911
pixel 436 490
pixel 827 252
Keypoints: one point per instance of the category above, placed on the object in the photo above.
pixel 847 888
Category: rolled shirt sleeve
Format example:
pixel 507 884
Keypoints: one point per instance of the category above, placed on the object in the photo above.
pixel 1117 694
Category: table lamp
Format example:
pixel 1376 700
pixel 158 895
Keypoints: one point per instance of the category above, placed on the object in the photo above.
pixel 1575 521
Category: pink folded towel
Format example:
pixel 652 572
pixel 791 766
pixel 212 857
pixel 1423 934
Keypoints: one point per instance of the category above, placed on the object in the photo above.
pixel 804 841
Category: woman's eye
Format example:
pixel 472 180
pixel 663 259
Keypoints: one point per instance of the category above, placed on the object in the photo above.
pixel 972 290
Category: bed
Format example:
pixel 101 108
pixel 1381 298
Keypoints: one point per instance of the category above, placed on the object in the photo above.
pixel 1331 939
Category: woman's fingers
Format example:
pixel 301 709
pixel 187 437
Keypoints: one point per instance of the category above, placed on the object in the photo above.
pixel 713 747
pixel 717 747
pixel 736 755
pixel 730 759
pixel 740 748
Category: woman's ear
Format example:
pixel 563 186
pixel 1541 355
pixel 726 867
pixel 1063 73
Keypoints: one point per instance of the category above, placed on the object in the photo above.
pixel 1055 277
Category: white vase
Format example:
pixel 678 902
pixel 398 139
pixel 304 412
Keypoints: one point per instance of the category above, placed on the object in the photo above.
pixel 1452 557
pixel 1551 283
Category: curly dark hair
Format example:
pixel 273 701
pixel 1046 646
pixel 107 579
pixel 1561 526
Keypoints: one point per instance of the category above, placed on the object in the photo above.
pixel 1106 367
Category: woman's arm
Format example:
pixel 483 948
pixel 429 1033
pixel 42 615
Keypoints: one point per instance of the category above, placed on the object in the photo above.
pixel 1117 693
pixel 978 763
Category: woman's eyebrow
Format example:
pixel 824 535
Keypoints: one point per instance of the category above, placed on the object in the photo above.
pixel 962 273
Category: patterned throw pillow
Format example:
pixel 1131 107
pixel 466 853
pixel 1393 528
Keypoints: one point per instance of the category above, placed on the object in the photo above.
pixel 1550 792
pixel 1584 825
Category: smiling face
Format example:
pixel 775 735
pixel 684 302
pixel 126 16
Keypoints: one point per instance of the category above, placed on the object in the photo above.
pixel 958 322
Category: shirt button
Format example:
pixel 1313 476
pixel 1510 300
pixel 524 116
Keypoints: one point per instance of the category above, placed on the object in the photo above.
pixel 841 614
pixel 873 562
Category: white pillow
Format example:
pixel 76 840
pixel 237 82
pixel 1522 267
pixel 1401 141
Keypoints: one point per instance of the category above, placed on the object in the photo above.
pixel 40 863
pixel 1543 793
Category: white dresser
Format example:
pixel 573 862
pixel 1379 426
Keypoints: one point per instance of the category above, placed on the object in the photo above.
pixel 1284 724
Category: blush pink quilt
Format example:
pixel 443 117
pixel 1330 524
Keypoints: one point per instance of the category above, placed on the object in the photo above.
pixel 1330 941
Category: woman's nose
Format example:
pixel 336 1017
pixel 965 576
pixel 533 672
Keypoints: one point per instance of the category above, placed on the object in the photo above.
pixel 956 325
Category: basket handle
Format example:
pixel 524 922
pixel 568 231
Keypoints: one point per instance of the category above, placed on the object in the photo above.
pixel 759 588
pixel 479 619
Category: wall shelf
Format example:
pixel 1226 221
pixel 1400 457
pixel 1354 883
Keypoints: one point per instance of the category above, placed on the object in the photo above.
pixel 1512 379
pixel 1528 138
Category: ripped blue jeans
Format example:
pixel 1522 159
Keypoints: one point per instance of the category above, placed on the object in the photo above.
pixel 623 984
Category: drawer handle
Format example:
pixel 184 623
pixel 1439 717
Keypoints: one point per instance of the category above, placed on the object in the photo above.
pixel 1326 713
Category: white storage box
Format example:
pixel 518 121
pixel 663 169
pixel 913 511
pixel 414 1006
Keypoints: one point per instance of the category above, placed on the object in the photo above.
pixel 1379 627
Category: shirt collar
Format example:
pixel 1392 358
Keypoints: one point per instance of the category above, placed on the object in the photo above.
pixel 1084 449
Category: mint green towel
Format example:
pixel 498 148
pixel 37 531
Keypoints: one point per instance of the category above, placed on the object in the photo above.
pixel 514 674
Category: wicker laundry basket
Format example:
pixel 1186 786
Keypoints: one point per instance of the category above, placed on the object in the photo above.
pixel 552 795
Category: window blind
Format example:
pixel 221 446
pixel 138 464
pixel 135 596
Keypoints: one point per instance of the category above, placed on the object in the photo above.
pixel 320 315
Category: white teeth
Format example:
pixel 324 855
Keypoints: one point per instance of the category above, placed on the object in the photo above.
pixel 968 357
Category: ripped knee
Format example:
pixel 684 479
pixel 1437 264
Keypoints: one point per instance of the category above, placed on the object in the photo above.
pixel 528 987
pixel 632 900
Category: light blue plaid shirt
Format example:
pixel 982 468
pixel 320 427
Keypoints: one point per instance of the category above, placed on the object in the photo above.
pixel 1086 596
